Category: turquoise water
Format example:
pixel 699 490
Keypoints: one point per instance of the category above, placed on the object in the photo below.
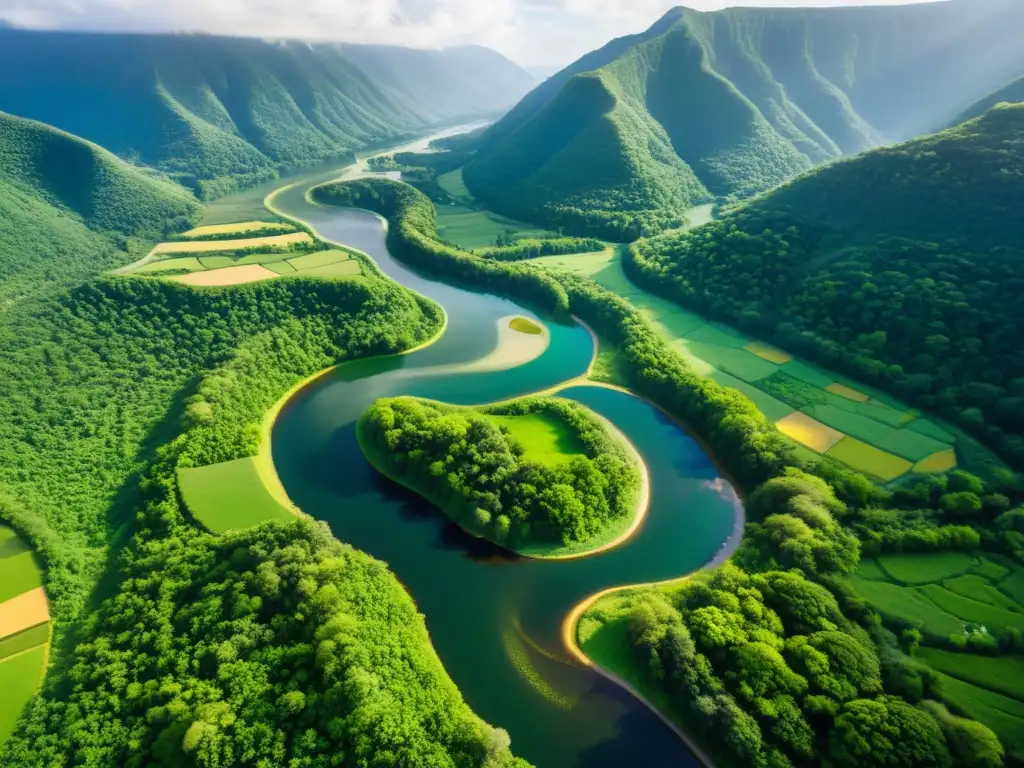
pixel 490 614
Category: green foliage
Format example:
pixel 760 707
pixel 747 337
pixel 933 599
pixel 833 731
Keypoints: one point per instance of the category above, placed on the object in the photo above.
pixel 887 732
pixel 1012 93
pixel 480 471
pixel 229 496
pixel 911 286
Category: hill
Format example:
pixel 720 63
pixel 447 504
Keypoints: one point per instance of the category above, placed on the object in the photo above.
pixel 1010 94
pixel 730 103
pixel 464 81
pixel 903 266
pixel 69 208
pixel 217 113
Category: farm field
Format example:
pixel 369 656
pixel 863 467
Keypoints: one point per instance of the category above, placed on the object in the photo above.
pixel 472 229
pixel 24 628
pixel 210 246
pixel 941 592
pixel 821 412
pixel 239 228
pixel 229 496
pixel 454 185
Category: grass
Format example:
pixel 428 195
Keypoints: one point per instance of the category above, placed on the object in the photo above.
pixel 870 460
pixel 187 264
pixel 318 259
pixel 773 409
pixel 907 604
pixel 973 611
pixel 281 267
pixel 20 677
pixel 1013 585
pixel 914 447
pixel 1002 714
pixel 737 362
pixel 546 438
pixel 348 268
pixel 937 463
pixel 229 496
pixel 872 569
pixel 992 571
pixel 848 392
pixel 240 228
pixel 979 588
pixel 22 641
pixel 1003 674
pixel 769 353
pixel 806 431
pixel 610 367
pixel 216 262
pixel 525 325
pixel 851 424
pixel 454 185
pixel 250 273
pixel 473 229
pixel 925 568
pixel 209 246
pixel 19 569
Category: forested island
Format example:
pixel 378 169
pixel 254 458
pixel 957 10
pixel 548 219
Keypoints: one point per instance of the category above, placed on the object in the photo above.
pixel 543 477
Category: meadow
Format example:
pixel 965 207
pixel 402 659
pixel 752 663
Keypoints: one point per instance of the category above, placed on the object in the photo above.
pixel 823 413
pixel 230 496
pixel 545 437
pixel 472 229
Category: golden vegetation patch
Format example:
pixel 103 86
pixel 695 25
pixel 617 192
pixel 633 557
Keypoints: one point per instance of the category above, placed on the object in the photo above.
pixel 249 273
pixel 207 246
pixel 937 463
pixel 848 392
pixel 870 460
pixel 769 353
pixel 24 611
pixel 525 325
pixel 213 230
pixel 810 432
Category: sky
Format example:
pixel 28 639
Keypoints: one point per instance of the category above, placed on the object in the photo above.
pixel 535 33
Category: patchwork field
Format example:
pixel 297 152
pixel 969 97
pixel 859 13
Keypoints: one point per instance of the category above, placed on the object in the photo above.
pixel 823 413
pixel 945 593
pixel 24 628
pixel 240 228
pixel 229 496
pixel 210 246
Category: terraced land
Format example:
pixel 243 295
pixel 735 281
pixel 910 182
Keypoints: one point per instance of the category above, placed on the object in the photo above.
pixel 24 628
pixel 823 413
pixel 951 593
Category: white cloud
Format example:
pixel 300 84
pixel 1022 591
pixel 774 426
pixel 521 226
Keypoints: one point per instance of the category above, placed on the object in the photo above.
pixel 529 31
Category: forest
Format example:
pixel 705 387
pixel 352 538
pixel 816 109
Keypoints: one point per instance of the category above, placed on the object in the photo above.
pixel 915 288
pixel 492 483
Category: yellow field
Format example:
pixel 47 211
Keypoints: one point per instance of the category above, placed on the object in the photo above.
pixel 866 458
pixel 847 392
pixel 937 463
pixel 249 273
pixel 769 353
pixel 25 611
pixel 810 432
pixel 231 229
pixel 207 246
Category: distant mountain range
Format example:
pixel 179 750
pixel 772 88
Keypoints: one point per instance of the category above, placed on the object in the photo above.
pixel 216 113
pixel 1010 94
pixel 729 103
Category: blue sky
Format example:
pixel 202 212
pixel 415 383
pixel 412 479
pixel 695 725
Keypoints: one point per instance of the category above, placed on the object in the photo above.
pixel 532 32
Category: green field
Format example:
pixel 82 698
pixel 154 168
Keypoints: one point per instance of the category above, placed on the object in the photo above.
pixel 1002 714
pixel 886 438
pixel 24 640
pixel 1002 674
pixel 330 263
pixel 318 259
pixel 19 569
pixel 544 436
pixel 472 229
pixel 973 611
pixel 20 677
pixel 229 496
pixel 925 568
pixel 908 604
pixel 454 185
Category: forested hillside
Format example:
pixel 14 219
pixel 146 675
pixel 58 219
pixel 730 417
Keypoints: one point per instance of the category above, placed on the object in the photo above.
pixel 69 208
pixel 731 103
pixel 1010 94
pixel 903 266
pixel 217 113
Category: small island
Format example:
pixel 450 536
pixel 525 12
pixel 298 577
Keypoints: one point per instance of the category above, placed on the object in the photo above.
pixel 543 477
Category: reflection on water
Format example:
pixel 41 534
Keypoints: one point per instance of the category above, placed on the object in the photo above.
pixel 495 618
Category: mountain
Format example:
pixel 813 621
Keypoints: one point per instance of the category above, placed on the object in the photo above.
pixel 729 103
pixel 464 81
pixel 903 265
pixel 69 208
pixel 217 113
pixel 1009 94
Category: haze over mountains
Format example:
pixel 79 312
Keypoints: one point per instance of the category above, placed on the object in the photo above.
pixel 730 103
pixel 218 113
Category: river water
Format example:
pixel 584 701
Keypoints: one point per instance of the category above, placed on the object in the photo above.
pixel 495 619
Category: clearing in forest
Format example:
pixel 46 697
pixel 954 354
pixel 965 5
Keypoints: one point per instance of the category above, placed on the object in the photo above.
pixel 249 273
pixel 545 437
pixel 472 229
pixel 230 496
pixel 19 570
pixel 209 246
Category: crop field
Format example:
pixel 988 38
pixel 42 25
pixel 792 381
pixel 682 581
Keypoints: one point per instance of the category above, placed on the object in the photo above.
pixel 24 640
pixel 1002 714
pixel 1002 674
pixel 820 411
pixel 19 571
pixel 542 435
pixel 20 678
pixel 251 273
pixel 241 228
pixel 925 568
pixel 229 496
pixel 906 603
pixel 472 229
pixel 454 185
pixel 210 246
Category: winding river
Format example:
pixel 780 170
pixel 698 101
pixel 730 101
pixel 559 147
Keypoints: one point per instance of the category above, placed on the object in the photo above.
pixel 495 619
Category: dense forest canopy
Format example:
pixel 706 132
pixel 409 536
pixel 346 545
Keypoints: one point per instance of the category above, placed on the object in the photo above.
pixel 902 266
pixel 489 482
pixel 734 102
pixel 218 113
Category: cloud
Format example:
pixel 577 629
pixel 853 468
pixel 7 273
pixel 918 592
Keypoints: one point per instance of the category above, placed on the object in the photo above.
pixel 529 31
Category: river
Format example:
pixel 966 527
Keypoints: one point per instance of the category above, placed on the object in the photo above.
pixel 495 619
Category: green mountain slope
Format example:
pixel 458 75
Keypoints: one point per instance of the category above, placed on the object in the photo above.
pixel 464 81
pixel 1010 94
pixel 214 112
pixel 69 208
pixel 904 265
pixel 734 102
